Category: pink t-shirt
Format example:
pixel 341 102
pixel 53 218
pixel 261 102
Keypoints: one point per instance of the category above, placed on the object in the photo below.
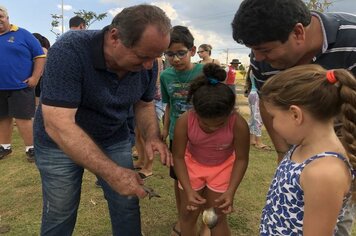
pixel 210 148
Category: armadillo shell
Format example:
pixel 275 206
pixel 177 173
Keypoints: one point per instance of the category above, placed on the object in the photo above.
pixel 210 218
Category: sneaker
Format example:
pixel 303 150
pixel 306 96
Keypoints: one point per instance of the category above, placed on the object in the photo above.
pixel 4 152
pixel 30 155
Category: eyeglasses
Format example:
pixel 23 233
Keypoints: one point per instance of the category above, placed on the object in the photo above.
pixel 201 51
pixel 180 54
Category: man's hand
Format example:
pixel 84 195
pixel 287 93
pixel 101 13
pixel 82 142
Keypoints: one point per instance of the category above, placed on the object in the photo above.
pixel 127 182
pixel 31 82
pixel 155 145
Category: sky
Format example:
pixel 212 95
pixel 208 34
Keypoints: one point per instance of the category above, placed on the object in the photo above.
pixel 208 20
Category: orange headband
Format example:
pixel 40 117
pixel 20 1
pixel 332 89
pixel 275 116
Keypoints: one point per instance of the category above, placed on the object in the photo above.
pixel 330 76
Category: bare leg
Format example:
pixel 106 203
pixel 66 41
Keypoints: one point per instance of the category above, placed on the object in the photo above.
pixel 259 142
pixel 253 140
pixel 6 126
pixel 222 227
pixel 188 219
pixel 26 130
pixel 204 230
pixel 177 226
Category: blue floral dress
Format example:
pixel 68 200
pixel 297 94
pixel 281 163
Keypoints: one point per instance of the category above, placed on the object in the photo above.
pixel 284 210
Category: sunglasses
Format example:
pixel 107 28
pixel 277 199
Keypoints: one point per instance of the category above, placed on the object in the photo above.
pixel 180 54
pixel 201 51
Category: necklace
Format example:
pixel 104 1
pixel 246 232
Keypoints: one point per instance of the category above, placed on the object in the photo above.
pixel 180 80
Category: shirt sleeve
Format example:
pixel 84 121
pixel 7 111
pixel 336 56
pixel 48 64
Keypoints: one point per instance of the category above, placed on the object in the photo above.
pixel 62 78
pixel 34 45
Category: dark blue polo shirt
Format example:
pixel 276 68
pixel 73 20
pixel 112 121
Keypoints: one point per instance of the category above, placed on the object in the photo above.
pixel 339 46
pixel 76 76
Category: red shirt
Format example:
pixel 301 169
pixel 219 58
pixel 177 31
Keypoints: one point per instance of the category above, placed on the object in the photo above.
pixel 231 75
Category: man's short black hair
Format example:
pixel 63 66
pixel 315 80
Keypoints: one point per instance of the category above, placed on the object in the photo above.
pixel 261 21
pixel 75 21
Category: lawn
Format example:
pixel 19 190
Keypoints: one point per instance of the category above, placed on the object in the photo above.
pixel 20 198
pixel 21 201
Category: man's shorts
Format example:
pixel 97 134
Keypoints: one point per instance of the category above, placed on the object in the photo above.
pixel 216 178
pixel 19 104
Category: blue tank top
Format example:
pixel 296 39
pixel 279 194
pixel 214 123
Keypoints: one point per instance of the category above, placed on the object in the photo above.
pixel 284 210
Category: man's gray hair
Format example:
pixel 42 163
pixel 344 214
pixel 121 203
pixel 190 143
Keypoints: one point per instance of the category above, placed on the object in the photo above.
pixel 132 21
pixel 4 10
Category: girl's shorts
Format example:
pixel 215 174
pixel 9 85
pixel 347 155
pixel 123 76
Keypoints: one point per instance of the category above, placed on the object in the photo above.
pixel 216 178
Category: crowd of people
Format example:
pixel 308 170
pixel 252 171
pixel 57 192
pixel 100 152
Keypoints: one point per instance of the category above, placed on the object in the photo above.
pixel 303 88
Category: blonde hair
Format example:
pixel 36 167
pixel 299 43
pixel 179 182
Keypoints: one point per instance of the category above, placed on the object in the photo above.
pixel 308 86
pixel 4 10
pixel 206 47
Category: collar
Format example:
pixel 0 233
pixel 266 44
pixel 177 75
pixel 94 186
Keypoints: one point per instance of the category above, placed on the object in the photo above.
pixel 14 28
pixel 97 49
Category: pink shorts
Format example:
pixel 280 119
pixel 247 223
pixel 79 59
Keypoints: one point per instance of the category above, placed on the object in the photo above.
pixel 216 178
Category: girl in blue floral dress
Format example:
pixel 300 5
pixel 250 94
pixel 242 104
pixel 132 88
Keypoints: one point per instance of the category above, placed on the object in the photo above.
pixel 313 184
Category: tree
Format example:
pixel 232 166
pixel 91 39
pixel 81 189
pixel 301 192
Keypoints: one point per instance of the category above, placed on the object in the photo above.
pixel 55 23
pixel 318 5
pixel 89 17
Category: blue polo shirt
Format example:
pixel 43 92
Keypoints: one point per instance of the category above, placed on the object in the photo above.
pixel 18 49
pixel 339 46
pixel 76 77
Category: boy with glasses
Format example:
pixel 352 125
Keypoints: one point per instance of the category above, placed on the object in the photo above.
pixel 175 83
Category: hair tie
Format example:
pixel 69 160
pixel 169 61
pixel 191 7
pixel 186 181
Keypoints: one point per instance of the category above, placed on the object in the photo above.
pixel 330 76
pixel 212 81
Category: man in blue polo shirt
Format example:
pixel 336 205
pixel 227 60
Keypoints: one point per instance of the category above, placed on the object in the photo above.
pixel 91 80
pixel 285 33
pixel 21 64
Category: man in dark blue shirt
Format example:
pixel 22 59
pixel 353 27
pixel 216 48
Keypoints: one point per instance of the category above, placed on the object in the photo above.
pixel 91 80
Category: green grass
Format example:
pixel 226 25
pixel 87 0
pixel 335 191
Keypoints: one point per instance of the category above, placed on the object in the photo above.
pixel 21 198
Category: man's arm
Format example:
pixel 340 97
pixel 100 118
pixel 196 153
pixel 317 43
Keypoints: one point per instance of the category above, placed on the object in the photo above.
pixel 146 120
pixel 166 122
pixel 38 66
pixel 61 127
pixel 279 143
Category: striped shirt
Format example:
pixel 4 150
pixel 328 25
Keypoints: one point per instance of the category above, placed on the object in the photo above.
pixel 339 46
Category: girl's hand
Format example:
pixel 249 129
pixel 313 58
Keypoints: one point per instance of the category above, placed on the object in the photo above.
pixel 225 203
pixel 194 200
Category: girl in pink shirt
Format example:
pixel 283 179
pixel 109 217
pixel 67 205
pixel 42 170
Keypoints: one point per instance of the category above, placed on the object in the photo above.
pixel 210 151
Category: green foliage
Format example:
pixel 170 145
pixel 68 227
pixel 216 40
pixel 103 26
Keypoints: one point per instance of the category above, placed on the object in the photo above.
pixel 55 23
pixel 90 17
pixel 318 5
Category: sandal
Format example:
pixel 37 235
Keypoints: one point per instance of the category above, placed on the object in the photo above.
pixel 144 176
pixel 176 231
pixel 264 147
